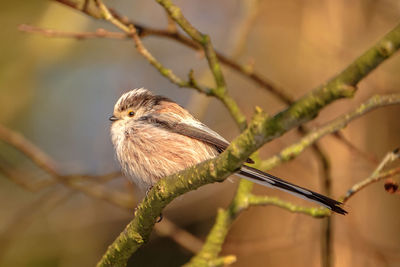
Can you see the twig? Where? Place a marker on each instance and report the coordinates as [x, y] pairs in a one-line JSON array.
[[42, 161], [241, 200], [267, 200], [261, 131], [376, 175], [96, 190], [24, 217], [131, 30], [145, 31], [27, 184], [295, 149], [213, 62], [280, 93], [30, 150], [343, 85], [171, 26], [220, 91], [99, 33], [92, 186], [251, 11], [220, 261]]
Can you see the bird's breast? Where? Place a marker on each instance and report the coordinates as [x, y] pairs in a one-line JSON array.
[[148, 153]]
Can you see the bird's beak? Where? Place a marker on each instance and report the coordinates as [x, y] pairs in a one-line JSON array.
[[113, 118]]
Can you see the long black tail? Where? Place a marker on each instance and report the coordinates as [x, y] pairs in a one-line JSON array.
[[269, 180]]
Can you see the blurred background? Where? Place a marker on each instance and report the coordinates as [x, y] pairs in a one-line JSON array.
[[59, 93]]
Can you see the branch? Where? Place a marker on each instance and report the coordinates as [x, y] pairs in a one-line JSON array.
[[25, 216], [266, 200], [343, 85], [144, 31], [94, 189], [135, 31], [260, 131], [205, 41], [130, 29], [38, 157], [303, 110], [243, 199], [171, 33], [335, 125], [376, 175], [99, 33]]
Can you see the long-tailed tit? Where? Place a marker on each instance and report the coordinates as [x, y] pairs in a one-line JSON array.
[[154, 137]]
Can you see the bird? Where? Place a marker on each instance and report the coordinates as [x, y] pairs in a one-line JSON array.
[[154, 137]]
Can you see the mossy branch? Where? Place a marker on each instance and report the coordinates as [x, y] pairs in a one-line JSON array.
[[335, 125], [342, 85], [204, 41], [261, 130]]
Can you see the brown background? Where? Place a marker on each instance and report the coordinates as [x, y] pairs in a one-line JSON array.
[[60, 92]]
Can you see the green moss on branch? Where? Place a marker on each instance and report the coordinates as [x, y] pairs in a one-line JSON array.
[[261, 130]]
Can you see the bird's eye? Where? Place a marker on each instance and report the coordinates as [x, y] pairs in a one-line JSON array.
[[131, 114]]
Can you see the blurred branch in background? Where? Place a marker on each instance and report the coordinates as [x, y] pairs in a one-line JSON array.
[[25, 216], [343, 85], [243, 201], [303, 110], [167, 228], [333, 126], [212, 56], [139, 30], [220, 91], [42, 160], [143, 31], [90, 185], [99, 33]]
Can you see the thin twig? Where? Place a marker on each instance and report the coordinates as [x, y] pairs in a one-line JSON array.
[[130, 29], [267, 200], [343, 84], [143, 31], [90, 185], [213, 62], [28, 184], [25, 216], [99, 33], [42, 160], [265, 130], [278, 91], [376, 175], [295, 149]]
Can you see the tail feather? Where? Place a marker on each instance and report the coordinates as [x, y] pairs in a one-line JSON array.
[[269, 180]]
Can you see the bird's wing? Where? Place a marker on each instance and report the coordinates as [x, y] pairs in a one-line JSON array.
[[193, 129], [199, 131]]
